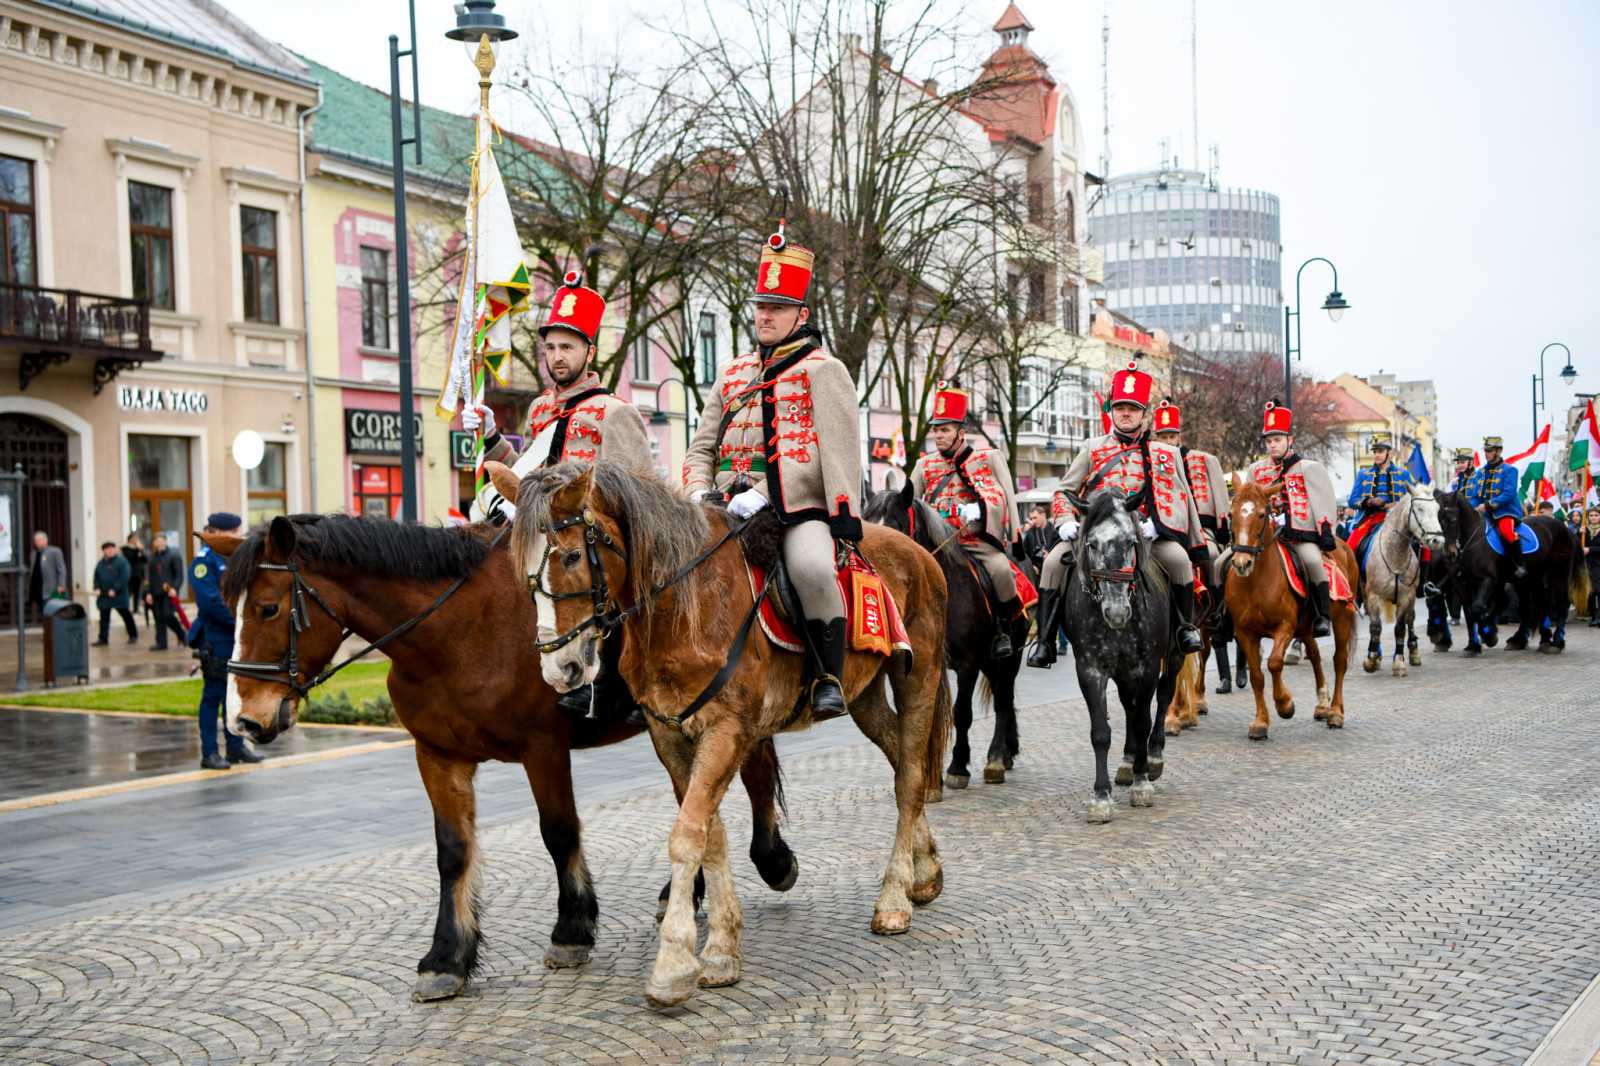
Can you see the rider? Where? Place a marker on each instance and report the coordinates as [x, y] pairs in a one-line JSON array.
[[1493, 491], [1376, 487], [1121, 459], [575, 420], [1209, 487], [780, 429], [1466, 461], [972, 488], [1303, 509]]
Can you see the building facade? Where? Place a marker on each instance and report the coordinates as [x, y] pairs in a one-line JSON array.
[[1202, 262], [150, 302]]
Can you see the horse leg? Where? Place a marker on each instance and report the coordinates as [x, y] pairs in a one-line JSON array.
[[1003, 682], [1135, 697], [719, 961], [1200, 706], [884, 728], [1374, 631], [1250, 650], [1344, 624], [1282, 698], [1413, 656], [1093, 687], [1324, 696], [1178, 709], [958, 775], [997, 761], [549, 770], [453, 958], [1398, 669], [763, 781], [916, 703], [1165, 686]]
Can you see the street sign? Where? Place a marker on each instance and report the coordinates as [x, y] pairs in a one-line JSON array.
[[463, 449]]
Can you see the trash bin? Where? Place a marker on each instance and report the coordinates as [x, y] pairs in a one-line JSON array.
[[66, 641]]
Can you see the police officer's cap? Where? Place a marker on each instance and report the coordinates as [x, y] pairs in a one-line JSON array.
[[224, 521]]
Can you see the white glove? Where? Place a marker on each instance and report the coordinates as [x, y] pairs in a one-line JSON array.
[[746, 503], [1067, 528], [1147, 529], [970, 512], [476, 415], [697, 495], [1279, 520]]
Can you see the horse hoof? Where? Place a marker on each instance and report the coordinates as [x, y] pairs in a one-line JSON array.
[[431, 987], [568, 956], [1173, 726], [1201, 708], [1009, 762], [1549, 649], [1516, 645], [789, 878], [1155, 766], [718, 971], [956, 781], [1143, 794], [1125, 774], [1471, 651], [1414, 657], [1286, 711], [666, 993], [1258, 731], [925, 892], [1320, 714], [890, 923], [994, 774], [1370, 665], [1099, 812], [1399, 669], [1335, 721]]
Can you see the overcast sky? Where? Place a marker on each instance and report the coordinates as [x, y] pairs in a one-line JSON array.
[[1438, 151]]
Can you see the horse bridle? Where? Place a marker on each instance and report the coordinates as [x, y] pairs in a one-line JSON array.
[[286, 671], [606, 615]]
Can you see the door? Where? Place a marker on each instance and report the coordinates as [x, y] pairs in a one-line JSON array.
[[41, 448], [160, 501]]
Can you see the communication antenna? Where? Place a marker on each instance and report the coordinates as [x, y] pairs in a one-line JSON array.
[[1194, 76], [1105, 90], [1216, 167]]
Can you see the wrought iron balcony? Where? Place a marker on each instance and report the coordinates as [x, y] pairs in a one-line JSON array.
[[54, 326]]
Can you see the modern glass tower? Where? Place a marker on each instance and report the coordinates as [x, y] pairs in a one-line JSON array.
[[1202, 262]]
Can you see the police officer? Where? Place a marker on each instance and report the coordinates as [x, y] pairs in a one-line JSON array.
[[211, 637]]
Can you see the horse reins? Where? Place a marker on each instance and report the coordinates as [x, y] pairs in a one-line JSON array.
[[286, 671]]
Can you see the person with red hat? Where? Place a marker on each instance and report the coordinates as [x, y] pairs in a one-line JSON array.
[[1129, 460], [972, 488], [1304, 506], [1209, 487], [576, 420], [780, 429]]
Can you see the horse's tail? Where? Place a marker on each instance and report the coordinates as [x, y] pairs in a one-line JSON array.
[[985, 692], [943, 724]]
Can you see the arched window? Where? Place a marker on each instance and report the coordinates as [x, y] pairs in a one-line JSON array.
[[1070, 222]]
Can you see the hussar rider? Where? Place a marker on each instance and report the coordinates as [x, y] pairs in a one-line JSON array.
[[576, 420], [971, 486], [1494, 491], [1149, 471], [1377, 486], [1303, 508], [1466, 465], [780, 430]]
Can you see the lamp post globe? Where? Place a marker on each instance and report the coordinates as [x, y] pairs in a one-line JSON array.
[[1568, 373], [476, 19], [1336, 305]]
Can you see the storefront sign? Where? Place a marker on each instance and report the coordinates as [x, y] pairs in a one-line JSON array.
[[1135, 338], [369, 432], [463, 449], [881, 449], [179, 401]]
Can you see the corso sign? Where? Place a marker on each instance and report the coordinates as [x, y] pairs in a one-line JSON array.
[[376, 432], [182, 401]]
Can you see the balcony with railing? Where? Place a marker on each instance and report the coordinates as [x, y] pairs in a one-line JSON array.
[[50, 327]]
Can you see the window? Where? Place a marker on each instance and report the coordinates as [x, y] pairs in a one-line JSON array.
[[258, 239], [708, 347], [375, 298], [378, 491], [1070, 220], [16, 221], [150, 229], [1037, 312], [641, 358], [1069, 307], [1036, 202], [267, 486], [159, 498]]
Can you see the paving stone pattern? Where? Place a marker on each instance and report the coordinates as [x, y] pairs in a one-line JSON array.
[[1419, 887]]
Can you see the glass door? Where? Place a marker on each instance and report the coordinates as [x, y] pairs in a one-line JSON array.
[[160, 501]]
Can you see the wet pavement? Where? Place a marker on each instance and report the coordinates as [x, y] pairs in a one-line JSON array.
[[116, 663]]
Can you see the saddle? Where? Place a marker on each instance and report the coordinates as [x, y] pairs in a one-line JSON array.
[[1338, 584], [1525, 537], [1026, 591]]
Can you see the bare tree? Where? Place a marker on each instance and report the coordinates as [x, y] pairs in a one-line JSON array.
[[1222, 397]]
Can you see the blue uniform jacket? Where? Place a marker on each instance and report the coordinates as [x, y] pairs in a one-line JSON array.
[[1388, 485], [1497, 486], [213, 624]]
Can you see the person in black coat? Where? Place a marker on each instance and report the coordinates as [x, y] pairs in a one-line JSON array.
[[1039, 537], [166, 579], [1589, 544], [138, 566], [111, 577]]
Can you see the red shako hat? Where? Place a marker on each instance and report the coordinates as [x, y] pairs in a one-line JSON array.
[[1168, 418], [1131, 385], [1276, 419], [784, 273], [949, 404], [576, 308]]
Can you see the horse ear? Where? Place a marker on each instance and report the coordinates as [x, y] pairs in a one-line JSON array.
[[504, 479], [1274, 488], [907, 495], [224, 544], [281, 538], [1233, 484]]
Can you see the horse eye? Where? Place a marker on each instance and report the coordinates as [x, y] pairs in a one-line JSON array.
[[570, 559], [269, 610]]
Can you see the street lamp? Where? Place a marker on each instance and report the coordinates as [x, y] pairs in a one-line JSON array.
[[658, 417], [1336, 305], [1568, 374]]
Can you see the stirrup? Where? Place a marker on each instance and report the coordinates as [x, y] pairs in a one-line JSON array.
[[1189, 638], [828, 679]]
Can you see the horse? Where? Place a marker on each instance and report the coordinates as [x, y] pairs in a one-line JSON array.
[[1189, 698], [1118, 616], [970, 629], [1394, 571], [619, 552], [1483, 578], [440, 602], [1263, 604]]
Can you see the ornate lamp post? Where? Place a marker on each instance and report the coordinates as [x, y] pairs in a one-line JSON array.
[[1336, 305], [1568, 374]]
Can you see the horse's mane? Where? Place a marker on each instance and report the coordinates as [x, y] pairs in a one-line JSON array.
[[932, 533], [377, 547], [663, 530]]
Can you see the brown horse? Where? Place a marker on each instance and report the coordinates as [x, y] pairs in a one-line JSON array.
[[620, 552], [1264, 605], [449, 608]]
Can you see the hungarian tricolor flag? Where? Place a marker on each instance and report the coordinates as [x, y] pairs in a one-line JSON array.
[[1105, 412], [1585, 452], [1532, 464]]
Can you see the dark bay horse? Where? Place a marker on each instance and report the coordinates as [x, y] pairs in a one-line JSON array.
[[624, 553], [1118, 616], [970, 629], [466, 683], [1481, 578]]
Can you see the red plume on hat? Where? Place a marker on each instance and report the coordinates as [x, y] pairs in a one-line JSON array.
[[575, 307]]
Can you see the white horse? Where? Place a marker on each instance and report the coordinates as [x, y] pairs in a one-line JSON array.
[[1394, 571]]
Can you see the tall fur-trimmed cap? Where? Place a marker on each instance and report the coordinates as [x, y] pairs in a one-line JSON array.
[[1276, 419], [577, 308]]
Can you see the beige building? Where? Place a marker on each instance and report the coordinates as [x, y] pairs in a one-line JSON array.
[[149, 302]]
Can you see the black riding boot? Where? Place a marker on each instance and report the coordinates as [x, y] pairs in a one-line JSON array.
[[1514, 557], [579, 701], [1188, 636], [1224, 675], [1043, 655], [1004, 615], [827, 644], [1322, 609], [1594, 610]]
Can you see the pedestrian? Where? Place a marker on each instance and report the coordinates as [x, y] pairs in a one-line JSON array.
[[211, 637], [138, 565], [1039, 537], [47, 574], [1590, 544], [111, 577], [164, 581]]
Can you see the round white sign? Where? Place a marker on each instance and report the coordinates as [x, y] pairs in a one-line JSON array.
[[248, 449]]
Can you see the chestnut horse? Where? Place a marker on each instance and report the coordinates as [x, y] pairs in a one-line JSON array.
[[625, 553], [1264, 605], [448, 607]]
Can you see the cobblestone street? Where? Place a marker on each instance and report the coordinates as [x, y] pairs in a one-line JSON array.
[[1419, 887]]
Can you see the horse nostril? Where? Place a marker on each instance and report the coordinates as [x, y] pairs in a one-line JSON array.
[[250, 728]]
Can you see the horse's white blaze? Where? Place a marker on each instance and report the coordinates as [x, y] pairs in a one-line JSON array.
[[232, 703]]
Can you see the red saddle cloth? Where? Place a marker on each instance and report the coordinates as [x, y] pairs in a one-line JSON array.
[[1025, 588], [872, 619], [1338, 584], [1367, 525]]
